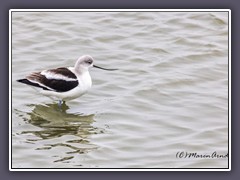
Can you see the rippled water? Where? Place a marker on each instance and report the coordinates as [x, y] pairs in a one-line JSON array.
[[169, 97]]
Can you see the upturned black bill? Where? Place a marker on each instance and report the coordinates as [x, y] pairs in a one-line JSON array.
[[104, 68]]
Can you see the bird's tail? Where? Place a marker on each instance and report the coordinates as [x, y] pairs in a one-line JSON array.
[[26, 81]]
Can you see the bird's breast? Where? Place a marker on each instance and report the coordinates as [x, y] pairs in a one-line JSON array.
[[85, 81]]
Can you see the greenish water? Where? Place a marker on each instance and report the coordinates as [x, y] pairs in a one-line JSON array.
[[170, 94]]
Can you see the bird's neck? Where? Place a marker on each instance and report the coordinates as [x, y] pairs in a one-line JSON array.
[[80, 70]]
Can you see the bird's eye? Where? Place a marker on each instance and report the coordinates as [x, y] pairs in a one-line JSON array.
[[89, 62]]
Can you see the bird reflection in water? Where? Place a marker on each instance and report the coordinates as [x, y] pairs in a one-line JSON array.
[[59, 125]]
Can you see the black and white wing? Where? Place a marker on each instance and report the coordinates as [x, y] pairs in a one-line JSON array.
[[59, 80]]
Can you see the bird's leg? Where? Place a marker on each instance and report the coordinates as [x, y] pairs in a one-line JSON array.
[[60, 104]]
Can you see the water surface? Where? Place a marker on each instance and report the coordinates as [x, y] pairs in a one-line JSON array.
[[169, 96]]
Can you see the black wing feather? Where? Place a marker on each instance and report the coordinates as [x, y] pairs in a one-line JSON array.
[[64, 71], [53, 84], [60, 85]]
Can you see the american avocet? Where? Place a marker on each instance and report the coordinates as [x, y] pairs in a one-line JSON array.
[[64, 83]]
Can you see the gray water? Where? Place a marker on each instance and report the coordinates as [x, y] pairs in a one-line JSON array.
[[168, 98]]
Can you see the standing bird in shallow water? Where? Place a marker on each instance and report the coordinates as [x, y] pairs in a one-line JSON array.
[[64, 83]]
